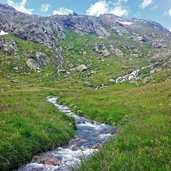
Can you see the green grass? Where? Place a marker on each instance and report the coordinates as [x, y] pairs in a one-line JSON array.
[[29, 125], [143, 116]]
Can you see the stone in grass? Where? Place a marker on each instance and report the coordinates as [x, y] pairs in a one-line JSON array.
[[14, 81], [82, 68], [105, 52], [1, 89], [112, 80], [118, 52], [84, 53], [146, 80], [88, 84]]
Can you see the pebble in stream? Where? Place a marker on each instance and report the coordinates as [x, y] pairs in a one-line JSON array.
[[90, 135]]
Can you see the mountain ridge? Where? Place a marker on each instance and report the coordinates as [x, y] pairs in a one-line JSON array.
[[106, 35]]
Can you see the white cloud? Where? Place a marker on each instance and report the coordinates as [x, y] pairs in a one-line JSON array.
[[170, 12], [98, 8], [20, 6], [62, 11], [119, 11], [45, 7], [103, 7], [145, 3]]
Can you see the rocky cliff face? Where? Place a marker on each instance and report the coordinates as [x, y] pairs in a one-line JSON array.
[[51, 30], [45, 29]]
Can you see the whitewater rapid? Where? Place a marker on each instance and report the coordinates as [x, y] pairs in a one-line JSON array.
[[89, 137]]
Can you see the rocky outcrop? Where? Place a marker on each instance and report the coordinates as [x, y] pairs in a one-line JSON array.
[[106, 49], [38, 61], [32, 63], [9, 47], [101, 32], [51, 31], [42, 59], [44, 29]]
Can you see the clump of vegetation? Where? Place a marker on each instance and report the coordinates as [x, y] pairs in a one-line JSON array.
[[29, 125]]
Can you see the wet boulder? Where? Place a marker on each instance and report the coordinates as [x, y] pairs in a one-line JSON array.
[[48, 160]]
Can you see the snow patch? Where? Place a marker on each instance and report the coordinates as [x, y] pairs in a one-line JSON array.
[[126, 23], [2, 33]]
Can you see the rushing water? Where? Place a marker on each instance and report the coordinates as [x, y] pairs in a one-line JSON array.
[[89, 136]]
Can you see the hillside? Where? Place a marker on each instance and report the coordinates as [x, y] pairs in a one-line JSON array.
[[107, 68]]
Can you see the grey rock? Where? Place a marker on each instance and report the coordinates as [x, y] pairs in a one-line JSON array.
[[141, 38], [14, 81], [32, 63], [146, 80], [1, 89], [62, 71], [88, 84], [105, 52], [82, 68], [16, 68], [61, 35], [112, 80], [84, 53], [42, 59], [118, 53], [96, 49], [9, 47], [101, 32]]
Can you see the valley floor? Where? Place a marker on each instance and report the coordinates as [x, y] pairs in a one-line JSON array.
[[143, 115], [30, 125]]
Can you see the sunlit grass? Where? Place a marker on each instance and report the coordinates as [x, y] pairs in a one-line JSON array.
[[143, 117], [29, 125]]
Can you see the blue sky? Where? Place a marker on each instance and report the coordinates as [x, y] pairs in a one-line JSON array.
[[157, 10]]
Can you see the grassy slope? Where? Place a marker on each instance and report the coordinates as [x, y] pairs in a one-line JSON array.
[[29, 125], [106, 68], [113, 105], [143, 113]]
